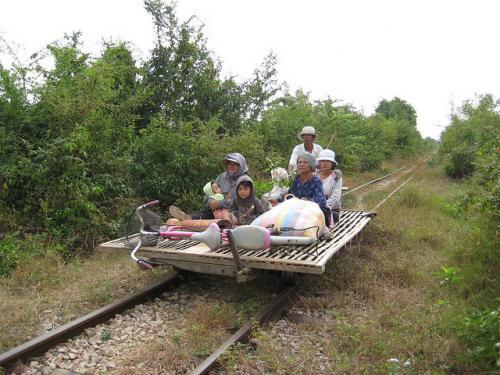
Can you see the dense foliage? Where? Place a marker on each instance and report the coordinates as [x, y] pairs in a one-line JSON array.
[[406, 121], [84, 139], [470, 149]]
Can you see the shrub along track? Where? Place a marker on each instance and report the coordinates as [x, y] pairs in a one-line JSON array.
[[101, 348]]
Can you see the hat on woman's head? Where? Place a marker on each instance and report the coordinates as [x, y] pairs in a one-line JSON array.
[[328, 155], [231, 157], [307, 130], [236, 157], [310, 158]]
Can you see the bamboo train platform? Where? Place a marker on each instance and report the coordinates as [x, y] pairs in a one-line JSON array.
[[197, 257]]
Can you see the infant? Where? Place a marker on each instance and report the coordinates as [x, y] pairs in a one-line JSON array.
[[214, 191]]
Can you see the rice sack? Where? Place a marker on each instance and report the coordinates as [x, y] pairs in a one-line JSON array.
[[294, 213]]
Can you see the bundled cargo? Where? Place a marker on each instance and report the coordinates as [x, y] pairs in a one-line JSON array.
[[295, 216]]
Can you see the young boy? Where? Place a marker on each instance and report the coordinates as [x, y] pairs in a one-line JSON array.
[[245, 207]]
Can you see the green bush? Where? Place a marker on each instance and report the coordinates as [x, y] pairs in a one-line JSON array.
[[460, 163], [173, 164], [99, 132], [480, 333], [262, 187], [9, 253]]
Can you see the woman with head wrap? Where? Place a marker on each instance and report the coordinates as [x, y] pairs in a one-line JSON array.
[[236, 166], [308, 186]]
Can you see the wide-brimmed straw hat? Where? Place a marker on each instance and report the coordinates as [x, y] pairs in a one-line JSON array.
[[328, 155], [307, 130]]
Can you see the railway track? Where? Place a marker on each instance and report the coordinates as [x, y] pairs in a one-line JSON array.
[[383, 182], [41, 344], [277, 305], [87, 330]]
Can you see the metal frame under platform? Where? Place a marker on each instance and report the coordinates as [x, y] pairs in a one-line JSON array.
[[197, 257]]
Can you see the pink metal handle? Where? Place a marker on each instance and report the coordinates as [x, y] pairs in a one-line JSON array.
[[173, 233]]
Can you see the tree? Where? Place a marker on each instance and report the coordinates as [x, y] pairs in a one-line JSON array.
[[261, 88], [398, 109], [181, 78], [408, 138]]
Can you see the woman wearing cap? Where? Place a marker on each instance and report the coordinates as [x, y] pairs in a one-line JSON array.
[[307, 135], [308, 186], [236, 166], [332, 181]]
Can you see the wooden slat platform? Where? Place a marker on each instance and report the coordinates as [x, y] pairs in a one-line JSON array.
[[197, 256]]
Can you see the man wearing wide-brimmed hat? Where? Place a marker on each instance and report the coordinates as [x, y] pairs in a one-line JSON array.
[[307, 135]]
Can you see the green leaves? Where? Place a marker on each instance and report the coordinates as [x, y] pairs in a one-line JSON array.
[[480, 332], [469, 147], [448, 276]]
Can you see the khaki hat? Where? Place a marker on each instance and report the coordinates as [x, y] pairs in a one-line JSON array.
[[307, 130]]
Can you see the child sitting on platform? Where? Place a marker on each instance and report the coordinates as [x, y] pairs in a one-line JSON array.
[[245, 207]]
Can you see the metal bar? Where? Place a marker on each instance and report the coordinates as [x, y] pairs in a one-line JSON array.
[[234, 250], [48, 340], [276, 306]]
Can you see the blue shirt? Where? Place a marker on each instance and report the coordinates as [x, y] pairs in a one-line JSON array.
[[312, 190]]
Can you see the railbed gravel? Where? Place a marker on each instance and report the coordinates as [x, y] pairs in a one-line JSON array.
[[301, 327], [99, 349]]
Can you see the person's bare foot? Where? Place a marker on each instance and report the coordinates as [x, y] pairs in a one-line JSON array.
[[178, 213]]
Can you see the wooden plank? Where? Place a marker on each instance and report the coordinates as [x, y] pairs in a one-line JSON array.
[[305, 259], [297, 253], [336, 233], [343, 242], [229, 262], [207, 268], [209, 255], [113, 250], [282, 252]]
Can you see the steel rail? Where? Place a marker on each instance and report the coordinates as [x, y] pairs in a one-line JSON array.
[[280, 303], [41, 344], [373, 181], [392, 193]]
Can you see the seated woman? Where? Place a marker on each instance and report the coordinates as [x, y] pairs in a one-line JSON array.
[[236, 166], [308, 186], [332, 181]]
